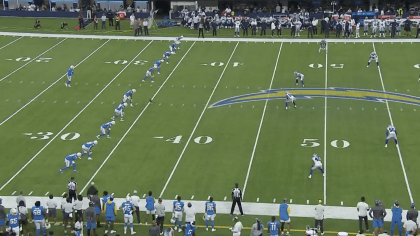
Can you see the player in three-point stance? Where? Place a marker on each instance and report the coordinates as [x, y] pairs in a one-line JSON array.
[[70, 73], [129, 96], [119, 111], [149, 72], [106, 128], [87, 148], [166, 56], [178, 41], [322, 45], [157, 65], [317, 164], [69, 160], [172, 48], [373, 57], [391, 132], [290, 98], [299, 76]]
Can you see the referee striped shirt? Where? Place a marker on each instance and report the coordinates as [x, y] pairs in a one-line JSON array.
[[72, 185], [237, 193]]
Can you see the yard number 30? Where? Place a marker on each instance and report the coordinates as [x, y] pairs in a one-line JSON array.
[[312, 142]]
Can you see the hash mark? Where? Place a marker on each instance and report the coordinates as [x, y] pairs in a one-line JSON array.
[[241, 106], [208, 198], [67, 101], [63, 193], [43, 82], [172, 86], [192, 197], [176, 196], [252, 106], [341, 202], [144, 195], [113, 103], [21, 82], [10, 81], [401, 109], [86, 83], [78, 102], [160, 104], [183, 85], [274, 200], [55, 101], [97, 84], [171, 104], [47, 193], [118, 85], [237, 87], [182, 104], [7, 100], [14, 193], [363, 109], [224, 199], [291, 200], [375, 108], [30, 193], [19, 100], [204, 86], [350, 108], [258, 199], [102, 102], [307, 201], [43, 101], [414, 109]]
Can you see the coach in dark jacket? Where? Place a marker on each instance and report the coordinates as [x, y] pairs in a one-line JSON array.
[[214, 26], [110, 16]]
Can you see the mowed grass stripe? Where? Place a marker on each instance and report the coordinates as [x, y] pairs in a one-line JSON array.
[[172, 114], [16, 92], [74, 118], [33, 59], [20, 52], [6, 40], [224, 161], [364, 166], [280, 156]]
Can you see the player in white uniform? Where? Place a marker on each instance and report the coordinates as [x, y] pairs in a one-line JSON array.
[[357, 30], [290, 98], [299, 76], [317, 164], [391, 132], [373, 57], [374, 28], [119, 111], [178, 41], [382, 28], [322, 45], [237, 28]]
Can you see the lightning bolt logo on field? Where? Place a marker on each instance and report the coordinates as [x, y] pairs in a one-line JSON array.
[[309, 93]]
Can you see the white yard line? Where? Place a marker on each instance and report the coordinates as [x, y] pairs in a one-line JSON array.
[[325, 125], [11, 42], [261, 122], [196, 124], [33, 99], [135, 121], [392, 123], [71, 121], [33, 59]]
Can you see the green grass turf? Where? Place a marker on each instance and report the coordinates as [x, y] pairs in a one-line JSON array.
[[280, 164], [52, 25]]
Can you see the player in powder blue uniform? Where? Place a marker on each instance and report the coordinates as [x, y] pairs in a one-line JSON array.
[[13, 219], [129, 96], [210, 213], [157, 65], [37, 213], [166, 56], [128, 209], [70, 73], [178, 208], [87, 148], [119, 111], [69, 160], [149, 72], [105, 128], [172, 48]]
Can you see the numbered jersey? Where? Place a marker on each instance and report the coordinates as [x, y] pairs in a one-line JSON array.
[[274, 227], [374, 24], [316, 160], [13, 220], [178, 206], [120, 107], [151, 69], [129, 93], [290, 97], [71, 157], [299, 75], [373, 56], [127, 207], [107, 125], [391, 129], [167, 54], [237, 24], [70, 72], [89, 145], [38, 213], [210, 208]]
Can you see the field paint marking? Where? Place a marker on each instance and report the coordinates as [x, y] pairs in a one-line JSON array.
[[144, 195], [176, 196], [274, 200], [13, 192], [258, 199], [138, 117], [208, 198], [392, 123], [32, 60], [198, 122], [30, 193], [43, 91], [192, 197], [63, 193], [71, 121], [224, 199], [47, 193], [11, 42], [325, 125], [261, 122]]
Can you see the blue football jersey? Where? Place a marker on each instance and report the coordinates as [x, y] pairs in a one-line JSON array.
[[127, 207], [168, 53], [172, 44], [89, 144], [178, 206], [107, 125], [38, 213], [120, 107], [70, 72], [129, 93], [157, 63], [106, 198], [150, 203], [274, 227], [189, 230], [71, 157], [210, 208], [151, 69], [13, 220]]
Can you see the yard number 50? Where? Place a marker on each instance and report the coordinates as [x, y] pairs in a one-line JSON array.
[[312, 142]]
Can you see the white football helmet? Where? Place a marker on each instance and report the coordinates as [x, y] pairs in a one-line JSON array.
[[79, 154], [182, 36], [47, 225], [113, 122], [155, 66], [162, 60], [128, 198], [134, 90], [72, 67], [295, 73], [125, 104], [13, 211], [95, 142]]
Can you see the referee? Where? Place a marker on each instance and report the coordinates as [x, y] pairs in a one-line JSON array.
[[236, 199], [201, 27], [72, 187]]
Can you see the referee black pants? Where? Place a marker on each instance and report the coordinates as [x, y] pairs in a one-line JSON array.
[[234, 202], [138, 215], [200, 32], [361, 218], [320, 223], [72, 195], [159, 221]]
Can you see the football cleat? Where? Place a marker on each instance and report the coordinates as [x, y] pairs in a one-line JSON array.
[[310, 176], [213, 229]]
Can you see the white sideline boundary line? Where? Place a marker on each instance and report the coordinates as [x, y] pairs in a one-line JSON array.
[[392, 123], [261, 122], [135, 121], [198, 122], [33, 59], [262, 40], [11, 42], [77, 115], [325, 125], [33, 99]]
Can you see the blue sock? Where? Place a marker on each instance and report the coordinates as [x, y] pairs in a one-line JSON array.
[[286, 104], [322, 171], [294, 103], [43, 231], [180, 224], [131, 225], [125, 225], [396, 141], [64, 168], [159, 69], [207, 223], [386, 141], [311, 172], [90, 154], [151, 78], [37, 232], [302, 83], [212, 224], [83, 153], [115, 116], [145, 77], [101, 135], [175, 223], [368, 63], [74, 166], [109, 131]]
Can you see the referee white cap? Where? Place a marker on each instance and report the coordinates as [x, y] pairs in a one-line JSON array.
[[92, 183], [135, 191]]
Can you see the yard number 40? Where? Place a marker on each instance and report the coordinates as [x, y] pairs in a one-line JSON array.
[[313, 142]]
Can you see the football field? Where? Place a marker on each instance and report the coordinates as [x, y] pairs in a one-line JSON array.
[[217, 117]]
